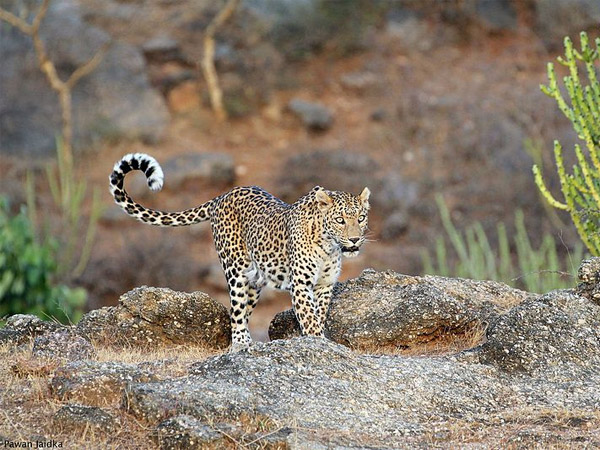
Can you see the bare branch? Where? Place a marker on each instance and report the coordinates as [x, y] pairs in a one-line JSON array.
[[208, 61], [88, 67], [15, 21], [37, 20], [222, 17]]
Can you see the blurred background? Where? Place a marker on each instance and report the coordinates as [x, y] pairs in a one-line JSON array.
[[433, 104]]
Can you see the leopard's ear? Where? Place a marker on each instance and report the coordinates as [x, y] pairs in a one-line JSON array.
[[323, 199], [364, 197]]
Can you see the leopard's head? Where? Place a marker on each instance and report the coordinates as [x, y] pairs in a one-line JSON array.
[[345, 218]]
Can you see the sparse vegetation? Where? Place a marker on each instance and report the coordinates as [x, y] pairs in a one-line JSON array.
[[68, 193], [581, 188], [537, 270]]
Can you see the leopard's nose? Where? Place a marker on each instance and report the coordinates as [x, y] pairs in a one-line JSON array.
[[354, 240]]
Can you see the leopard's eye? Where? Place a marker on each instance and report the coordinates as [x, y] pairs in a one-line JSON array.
[[340, 220], [361, 218]]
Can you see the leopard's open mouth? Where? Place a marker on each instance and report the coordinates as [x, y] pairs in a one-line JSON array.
[[349, 252]]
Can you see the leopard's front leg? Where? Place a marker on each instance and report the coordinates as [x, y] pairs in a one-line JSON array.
[[304, 308], [322, 299]]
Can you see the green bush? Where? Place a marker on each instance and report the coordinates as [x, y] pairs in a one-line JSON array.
[[535, 270], [27, 271], [580, 188]]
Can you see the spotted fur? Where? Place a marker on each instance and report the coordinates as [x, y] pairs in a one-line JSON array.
[[263, 241]]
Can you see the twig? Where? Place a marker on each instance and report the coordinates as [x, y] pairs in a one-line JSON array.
[[208, 60]]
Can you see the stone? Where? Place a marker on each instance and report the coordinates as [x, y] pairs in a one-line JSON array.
[[394, 225], [555, 336], [21, 328], [210, 168], [496, 15], [116, 100], [556, 19], [95, 383], [359, 81], [161, 48], [409, 30], [186, 432], [314, 116], [76, 418], [388, 310], [331, 169], [151, 317], [589, 277], [63, 344], [191, 170]]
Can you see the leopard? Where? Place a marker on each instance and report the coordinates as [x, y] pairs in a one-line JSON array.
[[263, 241]]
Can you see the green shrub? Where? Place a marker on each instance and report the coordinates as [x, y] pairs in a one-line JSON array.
[[581, 188], [27, 271], [536, 270]]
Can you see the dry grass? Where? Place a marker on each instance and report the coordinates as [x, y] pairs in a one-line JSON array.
[[446, 343], [525, 427], [27, 407]]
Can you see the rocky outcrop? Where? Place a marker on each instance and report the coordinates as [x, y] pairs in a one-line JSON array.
[[151, 317], [535, 371], [388, 310], [338, 397], [556, 336]]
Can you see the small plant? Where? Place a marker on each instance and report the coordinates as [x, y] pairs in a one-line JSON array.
[[28, 271], [537, 270], [68, 193], [581, 188]]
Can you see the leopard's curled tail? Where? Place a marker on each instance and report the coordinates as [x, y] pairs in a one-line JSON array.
[[154, 177]]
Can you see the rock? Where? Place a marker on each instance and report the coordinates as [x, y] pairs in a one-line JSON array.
[[314, 116], [200, 167], [394, 193], [556, 19], [319, 385], [63, 344], [330, 169], [194, 170], [116, 100], [496, 15], [300, 28], [96, 383], [409, 30], [21, 328], [394, 225], [162, 48], [186, 432], [379, 115], [152, 317], [387, 310], [359, 81], [589, 276], [555, 336], [77, 418]]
